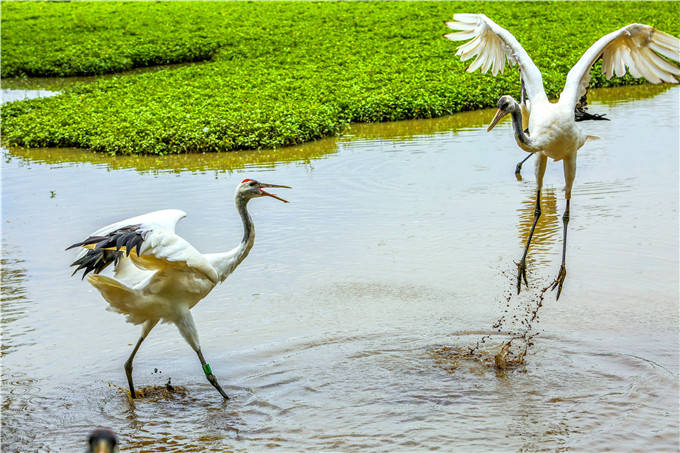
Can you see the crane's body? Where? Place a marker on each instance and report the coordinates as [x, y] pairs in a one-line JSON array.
[[159, 276], [553, 131], [141, 289], [556, 134], [580, 114]]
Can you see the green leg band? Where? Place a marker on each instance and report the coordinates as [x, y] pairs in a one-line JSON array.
[[206, 369]]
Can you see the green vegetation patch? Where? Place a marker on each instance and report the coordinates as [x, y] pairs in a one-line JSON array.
[[91, 38], [283, 72]]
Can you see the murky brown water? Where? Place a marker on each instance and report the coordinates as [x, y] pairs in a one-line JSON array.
[[397, 247]]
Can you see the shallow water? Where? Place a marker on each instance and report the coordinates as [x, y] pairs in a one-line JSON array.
[[399, 240]]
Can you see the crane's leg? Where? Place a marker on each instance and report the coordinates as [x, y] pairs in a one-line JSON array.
[[208, 374], [187, 328], [569, 176], [541, 162], [128, 363], [522, 265], [562, 274]]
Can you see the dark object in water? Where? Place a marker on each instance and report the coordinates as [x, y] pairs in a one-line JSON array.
[[102, 441]]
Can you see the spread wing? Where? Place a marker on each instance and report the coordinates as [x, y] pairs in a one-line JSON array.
[[165, 219], [493, 46], [149, 241], [636, 47]]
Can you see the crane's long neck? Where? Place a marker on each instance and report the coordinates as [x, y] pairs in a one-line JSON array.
[[225, 263], [248, 231], [523, 140]]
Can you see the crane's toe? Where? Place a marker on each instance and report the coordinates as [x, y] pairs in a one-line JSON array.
[[559, 281], [521, 274]]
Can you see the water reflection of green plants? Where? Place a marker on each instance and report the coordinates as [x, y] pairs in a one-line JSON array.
[[281, 73], [615, 95], [220, 162]]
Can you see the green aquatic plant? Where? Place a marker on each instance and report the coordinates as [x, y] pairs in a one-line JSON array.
[[279, 73]]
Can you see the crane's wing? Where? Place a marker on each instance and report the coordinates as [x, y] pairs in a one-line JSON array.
[[637, 47], [151, 244], [165, 219], [493, 45]]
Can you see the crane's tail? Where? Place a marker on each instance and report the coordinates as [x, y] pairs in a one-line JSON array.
[[120, 297]]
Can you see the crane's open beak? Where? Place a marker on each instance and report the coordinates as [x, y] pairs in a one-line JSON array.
[[271, 194], [499, 114]]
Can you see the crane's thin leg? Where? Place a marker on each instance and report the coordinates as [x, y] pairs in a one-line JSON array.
[[187, 328], [522, 265], [518, 168], [562, 274], [569, 176], [128, 363], [208, 374], [541, 164]]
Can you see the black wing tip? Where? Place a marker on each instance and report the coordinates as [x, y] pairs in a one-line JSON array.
[[95, 261], [107, 249]]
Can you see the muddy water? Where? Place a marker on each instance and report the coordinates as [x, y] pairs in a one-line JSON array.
[[398, 243]]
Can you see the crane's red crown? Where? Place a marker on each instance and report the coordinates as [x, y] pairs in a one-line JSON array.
[[246, 180]]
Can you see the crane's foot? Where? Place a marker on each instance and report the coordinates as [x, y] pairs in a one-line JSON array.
[[521, 274], [559, 281], [213, 380], [518, 168], [518, 171]]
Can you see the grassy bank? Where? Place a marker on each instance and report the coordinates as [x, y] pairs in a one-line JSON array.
[[279, 73]]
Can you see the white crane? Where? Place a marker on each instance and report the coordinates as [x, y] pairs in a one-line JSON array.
[[554, 132], [158, 275]]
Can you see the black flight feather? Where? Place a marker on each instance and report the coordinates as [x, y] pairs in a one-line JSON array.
[[101, 256]]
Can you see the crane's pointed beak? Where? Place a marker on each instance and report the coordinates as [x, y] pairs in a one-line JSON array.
[[271, 194], [499, 114]]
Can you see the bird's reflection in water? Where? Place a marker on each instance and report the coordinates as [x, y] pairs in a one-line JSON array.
[[547, 228]]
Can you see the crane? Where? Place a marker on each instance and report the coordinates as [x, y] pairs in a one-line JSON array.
[[159, 276], [554, 133], [102, 441]]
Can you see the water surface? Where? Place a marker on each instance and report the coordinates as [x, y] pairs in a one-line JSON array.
[[399, 239]]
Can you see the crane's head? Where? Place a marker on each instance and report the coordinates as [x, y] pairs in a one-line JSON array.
[[506, 104], [102, 441], [249, 188]]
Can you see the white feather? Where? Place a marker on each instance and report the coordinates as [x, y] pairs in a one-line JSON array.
[[631, 47], [493, 45]]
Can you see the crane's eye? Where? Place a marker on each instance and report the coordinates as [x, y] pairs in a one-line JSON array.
[[252, 184]]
